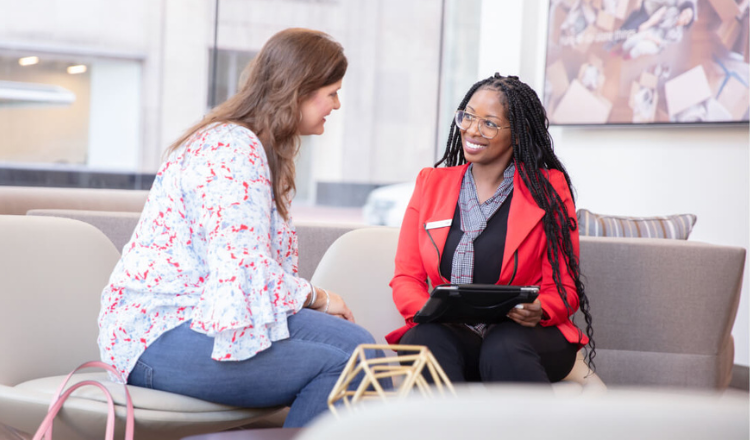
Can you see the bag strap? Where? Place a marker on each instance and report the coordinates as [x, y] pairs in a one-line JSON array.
[[45, 429], [60, 398]]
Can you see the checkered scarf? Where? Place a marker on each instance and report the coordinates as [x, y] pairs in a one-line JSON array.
[[474, 218]]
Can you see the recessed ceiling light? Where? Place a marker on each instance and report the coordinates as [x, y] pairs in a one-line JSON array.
[[80, 68], [28, 61]]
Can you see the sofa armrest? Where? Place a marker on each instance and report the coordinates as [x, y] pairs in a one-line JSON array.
[[661, 305]]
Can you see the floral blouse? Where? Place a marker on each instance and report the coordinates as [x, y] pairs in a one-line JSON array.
[[209, 247]]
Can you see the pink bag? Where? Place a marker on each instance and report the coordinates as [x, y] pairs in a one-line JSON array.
[[45, 429]]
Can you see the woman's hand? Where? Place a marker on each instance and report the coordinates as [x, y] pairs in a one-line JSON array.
[[529, 315], [336, 304]]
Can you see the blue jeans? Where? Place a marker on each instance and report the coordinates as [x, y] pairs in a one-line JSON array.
[[299, 371]]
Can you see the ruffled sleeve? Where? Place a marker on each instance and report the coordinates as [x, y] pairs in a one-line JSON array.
[[251, 286]]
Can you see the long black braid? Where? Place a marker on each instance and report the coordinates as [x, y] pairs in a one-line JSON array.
[[532, 153]]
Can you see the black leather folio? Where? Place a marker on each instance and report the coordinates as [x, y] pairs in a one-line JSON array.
[[473, 303]]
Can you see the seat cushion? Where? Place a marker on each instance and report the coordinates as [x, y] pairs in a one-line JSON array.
[[24, 406], [143, 398]]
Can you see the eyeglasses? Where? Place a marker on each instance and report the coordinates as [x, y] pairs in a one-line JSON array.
[[487, 128]]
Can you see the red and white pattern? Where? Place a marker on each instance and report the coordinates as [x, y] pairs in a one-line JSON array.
[[210, 247]]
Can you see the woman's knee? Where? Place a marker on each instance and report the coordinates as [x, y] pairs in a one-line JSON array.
[[310, 325], [444, 342], [348, 336], [508, 354], [423, 334], [356, 334], [504, 342]]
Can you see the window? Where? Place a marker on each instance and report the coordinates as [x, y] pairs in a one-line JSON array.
[[225, 77], [153, 70]]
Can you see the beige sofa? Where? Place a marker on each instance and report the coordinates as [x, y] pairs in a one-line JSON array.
[[663, 309], [663, 312], [52, 271]]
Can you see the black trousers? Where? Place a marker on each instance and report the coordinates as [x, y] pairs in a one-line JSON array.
[[509, 352]]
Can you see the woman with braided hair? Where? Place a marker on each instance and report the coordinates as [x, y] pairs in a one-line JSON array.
[[500, 211]]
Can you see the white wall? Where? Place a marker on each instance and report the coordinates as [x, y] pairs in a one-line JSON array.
[[500, 37], [640, 171]]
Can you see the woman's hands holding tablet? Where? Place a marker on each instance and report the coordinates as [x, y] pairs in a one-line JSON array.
[[528, 315]]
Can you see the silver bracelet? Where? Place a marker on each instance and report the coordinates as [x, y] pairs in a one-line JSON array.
[[328, 299], [313, 296]]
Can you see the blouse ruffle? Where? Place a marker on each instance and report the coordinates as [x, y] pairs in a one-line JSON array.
[[210, 247]]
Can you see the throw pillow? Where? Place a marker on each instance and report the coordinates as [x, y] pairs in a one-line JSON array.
[[672, 226]]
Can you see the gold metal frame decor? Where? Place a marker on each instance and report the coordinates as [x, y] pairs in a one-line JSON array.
[[405, 369]]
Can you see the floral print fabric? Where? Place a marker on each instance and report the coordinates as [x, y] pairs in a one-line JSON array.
[[210, 247]]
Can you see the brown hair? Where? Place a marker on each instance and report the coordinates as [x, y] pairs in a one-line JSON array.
[[290, 68]]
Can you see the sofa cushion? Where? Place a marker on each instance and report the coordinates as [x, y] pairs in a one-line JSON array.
[[672, 226], [143, 398], [117, 226]]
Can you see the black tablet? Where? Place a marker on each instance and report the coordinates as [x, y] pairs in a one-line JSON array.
[[473, 303]]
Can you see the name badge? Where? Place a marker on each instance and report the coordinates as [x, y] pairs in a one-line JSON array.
[[439, 224]]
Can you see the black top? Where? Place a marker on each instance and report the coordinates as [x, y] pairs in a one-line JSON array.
[[489, 246]]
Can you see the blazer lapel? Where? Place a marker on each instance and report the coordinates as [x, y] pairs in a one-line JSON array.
[[523, 217], [444, 197]]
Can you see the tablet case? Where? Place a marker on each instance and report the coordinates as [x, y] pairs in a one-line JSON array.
[[473, 303]]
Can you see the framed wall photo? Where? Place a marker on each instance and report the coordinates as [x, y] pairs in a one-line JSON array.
[[647, 62]]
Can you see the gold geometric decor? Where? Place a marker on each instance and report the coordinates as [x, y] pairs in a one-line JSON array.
[[405, 370]]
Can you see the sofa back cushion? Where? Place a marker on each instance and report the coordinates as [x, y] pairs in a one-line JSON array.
[[52, 272], [359, 267], [117, 226], [313, 238], [672, 226]]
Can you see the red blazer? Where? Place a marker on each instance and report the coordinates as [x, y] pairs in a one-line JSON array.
[[434, 199]]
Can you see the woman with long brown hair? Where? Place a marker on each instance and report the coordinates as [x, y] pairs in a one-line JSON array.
[[206, 301]]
